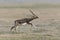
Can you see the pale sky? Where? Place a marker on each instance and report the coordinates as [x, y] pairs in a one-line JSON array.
[[30, 1]]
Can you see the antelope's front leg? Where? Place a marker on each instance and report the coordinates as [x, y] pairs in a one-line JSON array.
[[30, 24]]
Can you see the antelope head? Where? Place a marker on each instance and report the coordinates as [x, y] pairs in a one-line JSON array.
[[34, 16]]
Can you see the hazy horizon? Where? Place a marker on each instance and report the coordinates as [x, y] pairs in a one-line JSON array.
[[29, 1]]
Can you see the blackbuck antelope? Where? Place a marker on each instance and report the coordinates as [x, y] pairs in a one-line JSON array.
[[24, 21]]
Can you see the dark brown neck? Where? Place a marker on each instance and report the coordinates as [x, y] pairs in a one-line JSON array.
[[30, 19]]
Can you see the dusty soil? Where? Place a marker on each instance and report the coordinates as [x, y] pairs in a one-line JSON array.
[[48, 23]]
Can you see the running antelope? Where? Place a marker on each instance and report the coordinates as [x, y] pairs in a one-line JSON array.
[[24, 21]]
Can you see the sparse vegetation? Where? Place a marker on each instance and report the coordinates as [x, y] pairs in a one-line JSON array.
[[47, 27], [27, 37]]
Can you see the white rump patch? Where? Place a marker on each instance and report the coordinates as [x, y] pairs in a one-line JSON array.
[[24, 23]]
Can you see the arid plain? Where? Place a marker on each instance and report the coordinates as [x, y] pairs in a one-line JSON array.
[[46, 27]]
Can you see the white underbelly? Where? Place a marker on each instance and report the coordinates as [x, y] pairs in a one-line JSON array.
[[24, 23]]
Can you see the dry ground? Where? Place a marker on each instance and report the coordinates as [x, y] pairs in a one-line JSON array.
[[46, 27]]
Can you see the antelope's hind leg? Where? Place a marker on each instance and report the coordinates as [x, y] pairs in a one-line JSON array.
[[15, 25], [12, 27]]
